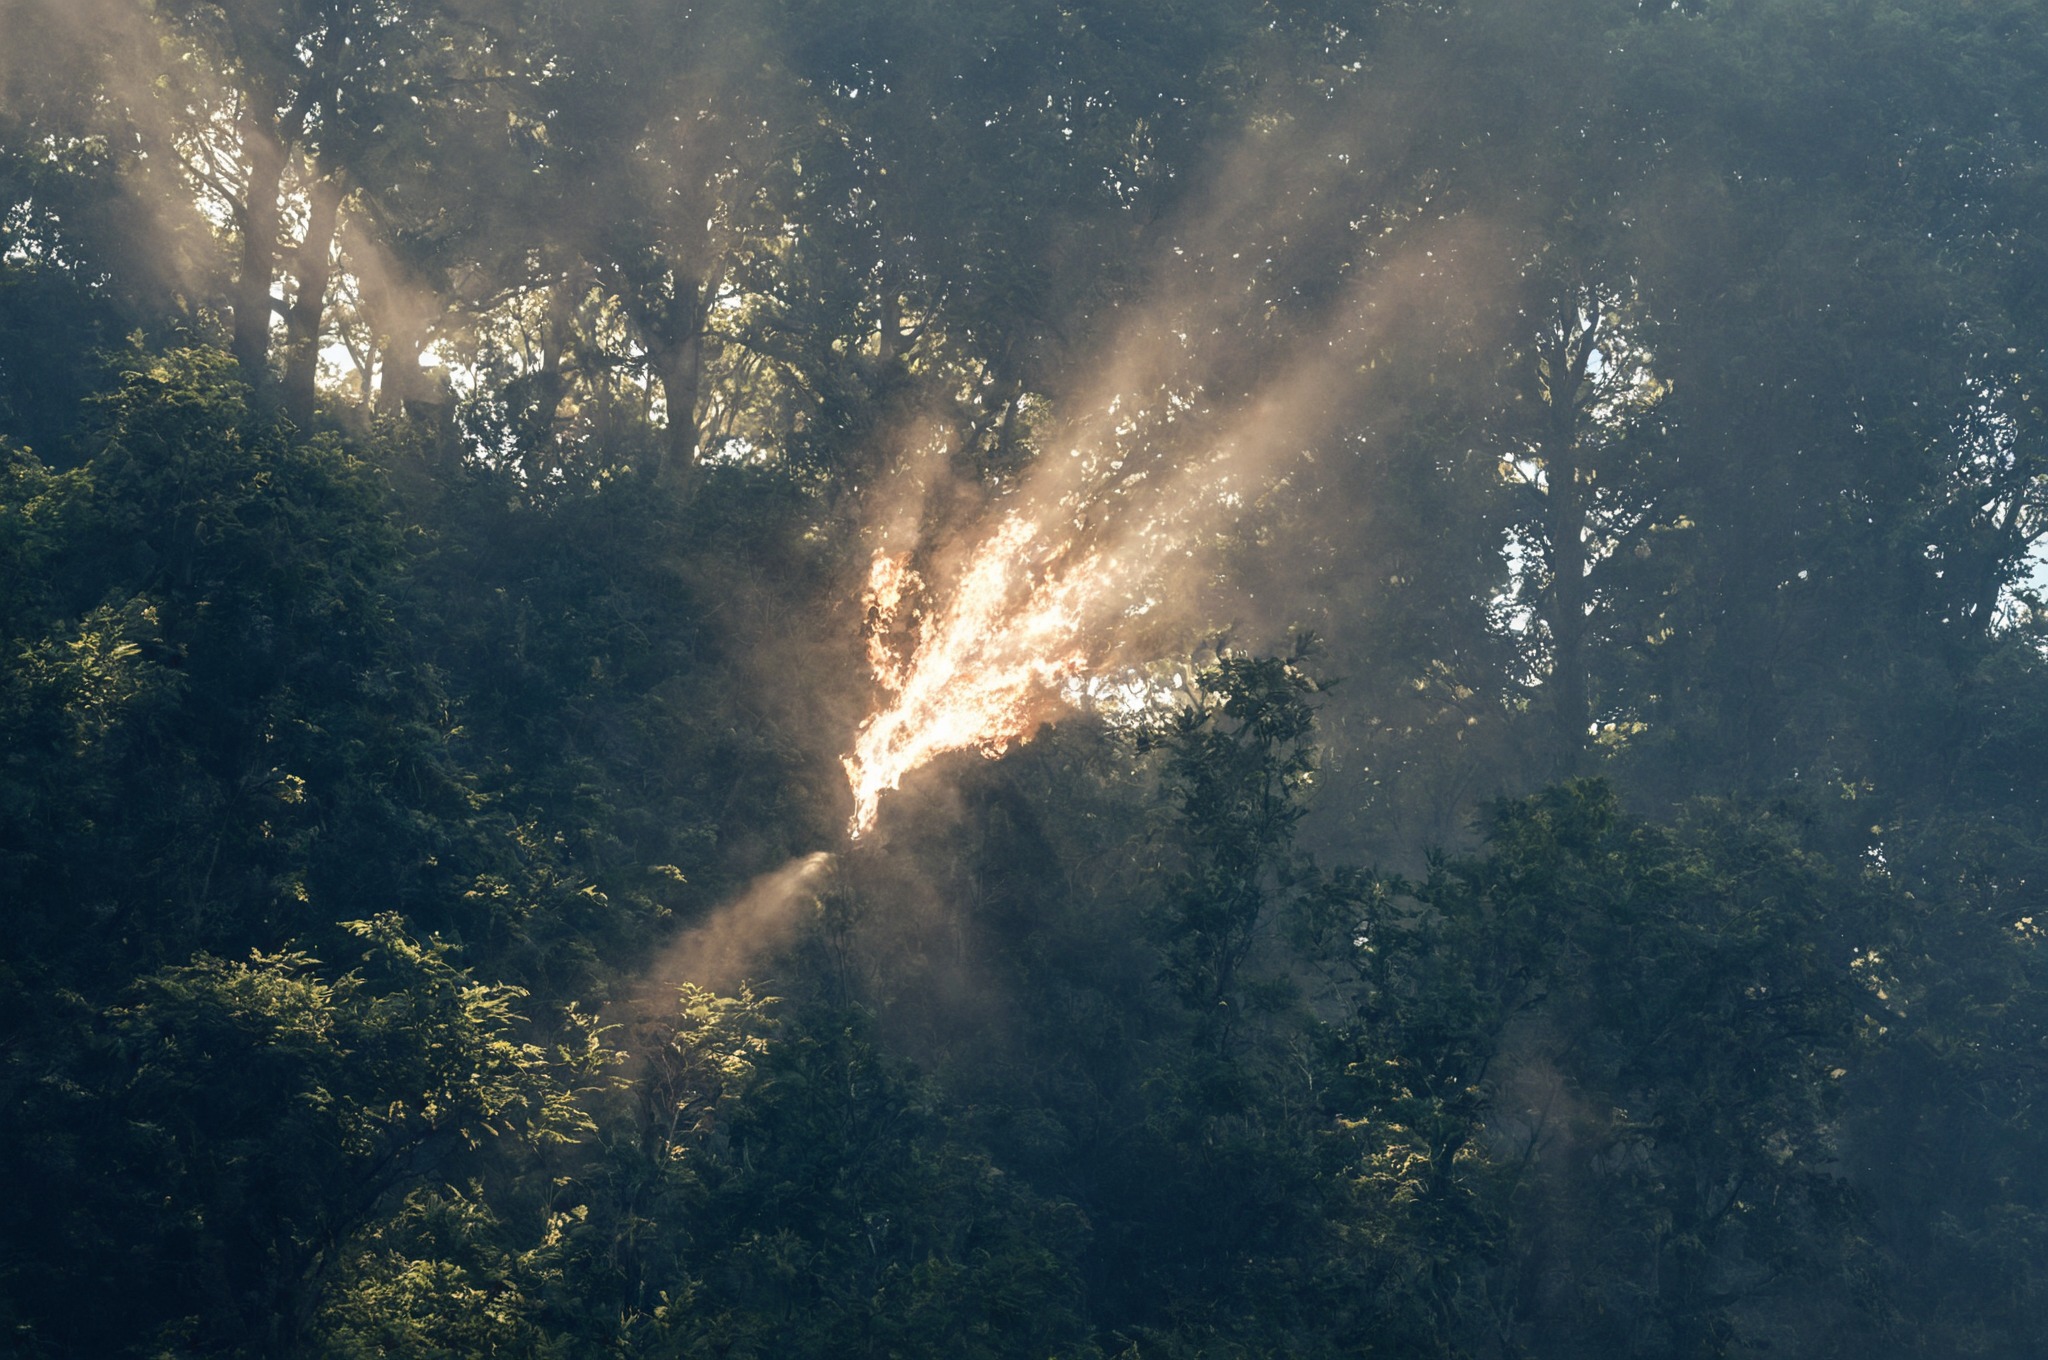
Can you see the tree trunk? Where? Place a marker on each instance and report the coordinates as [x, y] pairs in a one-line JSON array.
[[682, 373], [402, 325], [536, 432], [889, 343], [667, 306], [265, 161], [309, 301], [671, 317], [1565, 526]]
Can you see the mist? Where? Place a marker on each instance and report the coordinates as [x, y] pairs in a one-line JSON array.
[[1105, 680]]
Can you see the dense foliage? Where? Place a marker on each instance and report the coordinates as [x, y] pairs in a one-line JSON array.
[[1564, 875]]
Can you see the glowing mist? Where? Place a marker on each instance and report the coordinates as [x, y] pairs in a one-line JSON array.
[[1115, 530], [980, 674], [728, 944]]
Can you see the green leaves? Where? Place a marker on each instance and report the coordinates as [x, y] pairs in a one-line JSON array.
[[1240, 760], [1610, 1053], [1667, 384], [272, 1128], [446, 1276]]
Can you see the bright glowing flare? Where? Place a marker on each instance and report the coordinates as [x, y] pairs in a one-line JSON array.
[[1028, 621], [983, 672]]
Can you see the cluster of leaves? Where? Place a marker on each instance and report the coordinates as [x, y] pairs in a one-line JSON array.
[[1172, 1089], [366, 728]]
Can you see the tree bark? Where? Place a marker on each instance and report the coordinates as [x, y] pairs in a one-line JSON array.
[[889, 343], [682, 374], [1565, 526], [401, 316], [550, 384], [264, 159], [315, 269], [669, 309]]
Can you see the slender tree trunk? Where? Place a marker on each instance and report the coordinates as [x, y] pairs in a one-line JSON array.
[[667, 306], [889, 343], [372, 365], [402, 325], [1565, 503], [401, 386], [264, 159], [2007, 545], [315, 270], [673, 323], [550, 384], [1568, 615], [682, 374], [398, 387], [1006, 430]]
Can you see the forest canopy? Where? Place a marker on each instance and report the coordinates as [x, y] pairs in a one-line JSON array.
[[765, 678]]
